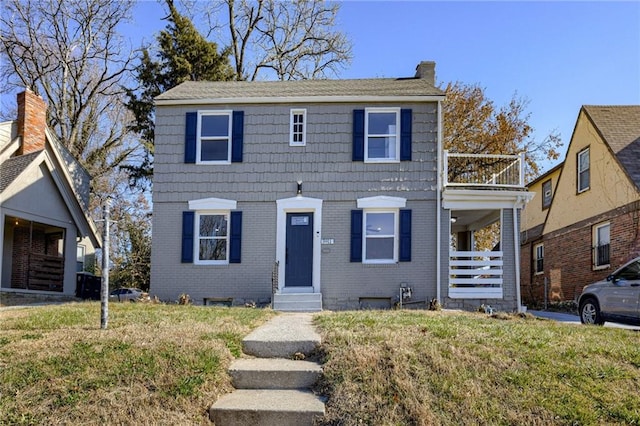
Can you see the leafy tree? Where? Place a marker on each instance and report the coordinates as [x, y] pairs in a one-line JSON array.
[[70, 53], [183, 55], [473, 124], [132, 248]]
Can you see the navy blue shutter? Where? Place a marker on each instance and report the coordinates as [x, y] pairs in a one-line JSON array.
[[190, 136], [405, 135], [405, 236], [358, 135], [187, 236], [237, 136], [356, 235], [235, 238]]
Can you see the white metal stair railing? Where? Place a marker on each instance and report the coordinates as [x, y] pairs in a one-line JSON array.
[[475, 274]]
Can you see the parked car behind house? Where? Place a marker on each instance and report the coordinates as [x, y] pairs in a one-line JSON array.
[[124, 294], [617, 299]]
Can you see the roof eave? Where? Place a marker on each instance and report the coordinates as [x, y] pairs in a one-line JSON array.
[[299, 99]]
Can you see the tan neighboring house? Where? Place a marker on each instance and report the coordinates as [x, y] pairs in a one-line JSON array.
[[584, 221], [46, 233]]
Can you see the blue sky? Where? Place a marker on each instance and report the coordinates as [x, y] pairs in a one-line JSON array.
[[558, 55]]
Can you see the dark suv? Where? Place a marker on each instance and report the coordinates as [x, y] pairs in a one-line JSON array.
[[617, 299]]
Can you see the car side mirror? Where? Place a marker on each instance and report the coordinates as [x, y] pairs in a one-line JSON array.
[[611, 278]]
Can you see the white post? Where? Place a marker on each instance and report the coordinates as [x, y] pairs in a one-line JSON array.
[[522, 157], [104, 289], [445, 168]]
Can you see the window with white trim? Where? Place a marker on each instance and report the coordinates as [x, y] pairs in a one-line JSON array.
[[583, 170], [298, 127], [214, 137], [212, 237], [601, 245], [380, 244], [80, 255], [538, 258], [382, 134]]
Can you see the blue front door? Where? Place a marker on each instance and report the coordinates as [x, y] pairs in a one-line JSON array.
[[299, 250]]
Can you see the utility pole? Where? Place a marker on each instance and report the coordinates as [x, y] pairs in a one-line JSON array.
[[104, 289]]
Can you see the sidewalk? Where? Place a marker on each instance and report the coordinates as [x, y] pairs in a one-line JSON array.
[[575, 319]]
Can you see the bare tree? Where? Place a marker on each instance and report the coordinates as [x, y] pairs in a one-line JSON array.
[[70, 53], [286, 40]]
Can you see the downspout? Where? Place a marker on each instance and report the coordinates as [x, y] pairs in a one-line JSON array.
[[516, 245], [438, 205]]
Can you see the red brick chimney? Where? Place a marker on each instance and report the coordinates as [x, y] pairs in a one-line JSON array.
[[32, 122]]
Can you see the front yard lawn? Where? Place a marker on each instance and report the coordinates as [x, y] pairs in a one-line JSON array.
[[451, 368], [156, 364]]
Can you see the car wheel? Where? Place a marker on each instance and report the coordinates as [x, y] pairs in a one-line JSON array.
[[590, 312]]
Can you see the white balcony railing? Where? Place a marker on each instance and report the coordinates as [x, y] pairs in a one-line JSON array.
[[483, 170], [475, 274]]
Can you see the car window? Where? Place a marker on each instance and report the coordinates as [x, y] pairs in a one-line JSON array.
[[630, 272]]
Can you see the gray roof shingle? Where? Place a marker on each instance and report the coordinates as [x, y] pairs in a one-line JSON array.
[[619, 126], [192, 90], [12, 167]]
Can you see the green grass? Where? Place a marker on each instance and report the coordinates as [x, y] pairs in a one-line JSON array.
[[165, 365], [422, 368], [156, 364]]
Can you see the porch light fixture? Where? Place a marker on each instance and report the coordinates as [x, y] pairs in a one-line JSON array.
[[299, 193], [454, 219]]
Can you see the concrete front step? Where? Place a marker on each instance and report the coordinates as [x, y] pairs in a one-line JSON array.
[[282, 337], [266, 407], [274, 373], [297, 302]]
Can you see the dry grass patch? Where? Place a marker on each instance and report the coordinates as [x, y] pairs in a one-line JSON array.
[[156, 364], [445, 368]]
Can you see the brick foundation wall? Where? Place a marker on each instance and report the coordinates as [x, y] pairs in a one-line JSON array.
[[568, 261]]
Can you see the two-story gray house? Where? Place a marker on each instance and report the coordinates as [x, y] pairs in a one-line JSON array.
[[326, 193]]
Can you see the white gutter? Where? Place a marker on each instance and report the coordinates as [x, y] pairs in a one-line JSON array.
[[300, 99], [438, 205]]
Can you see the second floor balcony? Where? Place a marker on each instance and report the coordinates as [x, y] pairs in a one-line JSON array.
[[483, 171]]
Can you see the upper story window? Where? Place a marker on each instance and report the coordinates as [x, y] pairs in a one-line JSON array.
[[547, 194], [382, 134], [583, 170], [538, 258], [298, 127], [214, 137], [601, 245]]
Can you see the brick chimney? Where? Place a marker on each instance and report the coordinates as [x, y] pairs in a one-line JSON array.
[[427, 70], [32, 122]]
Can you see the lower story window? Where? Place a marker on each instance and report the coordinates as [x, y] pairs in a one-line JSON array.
[[212, 238], [380, 236], [539, 258], [602, 244]]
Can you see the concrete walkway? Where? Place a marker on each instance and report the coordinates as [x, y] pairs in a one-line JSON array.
[[274, 387]]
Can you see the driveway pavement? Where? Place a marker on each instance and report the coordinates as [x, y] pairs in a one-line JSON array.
[[575, 319]]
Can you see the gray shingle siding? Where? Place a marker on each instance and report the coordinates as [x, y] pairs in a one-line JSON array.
[[271, 167]]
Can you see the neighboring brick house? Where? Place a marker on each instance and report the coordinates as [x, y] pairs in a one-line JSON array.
[[47, 236], [584, 221], [325, 193]]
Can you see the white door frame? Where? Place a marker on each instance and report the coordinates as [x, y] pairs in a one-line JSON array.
[[298, 205]]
